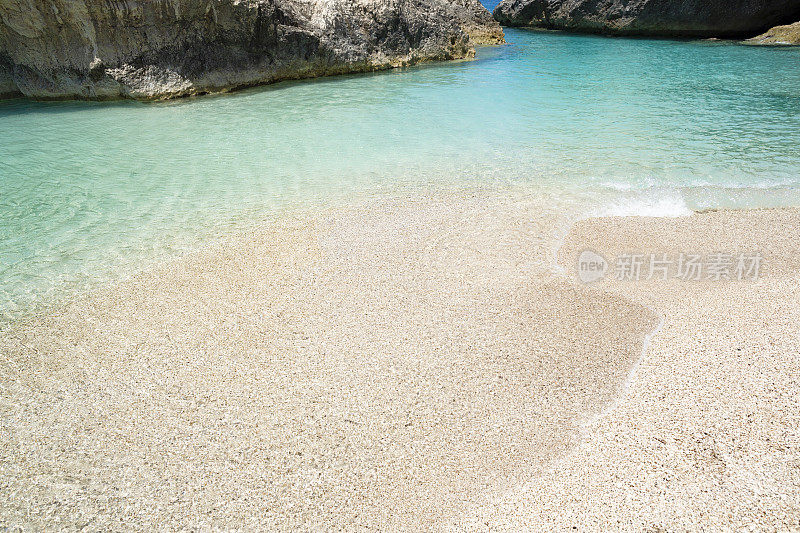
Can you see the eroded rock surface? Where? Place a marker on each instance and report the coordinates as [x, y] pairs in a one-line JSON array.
[[779, 35], [165, 48], [689, 18]]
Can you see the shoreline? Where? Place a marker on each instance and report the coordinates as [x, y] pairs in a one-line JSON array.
[[434, 328], [213, 233], [249, 222]]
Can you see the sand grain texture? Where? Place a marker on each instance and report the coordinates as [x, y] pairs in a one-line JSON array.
[[707, 434], [415, 362], [386, 365]]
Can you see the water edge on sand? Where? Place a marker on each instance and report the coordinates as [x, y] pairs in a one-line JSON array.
[[385, 365]]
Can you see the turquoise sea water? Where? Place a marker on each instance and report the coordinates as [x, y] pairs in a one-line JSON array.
[[89, 191]]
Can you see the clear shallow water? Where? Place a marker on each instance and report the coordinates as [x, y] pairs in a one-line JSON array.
[[90, 191]]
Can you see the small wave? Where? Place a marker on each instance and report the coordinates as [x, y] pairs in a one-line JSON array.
[[702, 198], [683, 201], [653, 204], [650, 183]]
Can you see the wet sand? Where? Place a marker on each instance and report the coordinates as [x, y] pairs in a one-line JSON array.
[[409, 363], [706, 435]]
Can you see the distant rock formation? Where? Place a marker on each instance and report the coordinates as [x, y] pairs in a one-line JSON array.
[[668, 18], [102, 49], [779, 35]]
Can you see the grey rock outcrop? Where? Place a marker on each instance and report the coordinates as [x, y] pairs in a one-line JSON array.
[[668, 18], [788, 35], [146, 49]]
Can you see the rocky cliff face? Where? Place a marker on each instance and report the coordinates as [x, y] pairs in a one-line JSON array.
[[163, 48], [689, 18]]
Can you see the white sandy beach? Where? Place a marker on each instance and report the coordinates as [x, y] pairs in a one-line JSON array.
[[415, 363], [706, 435]]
